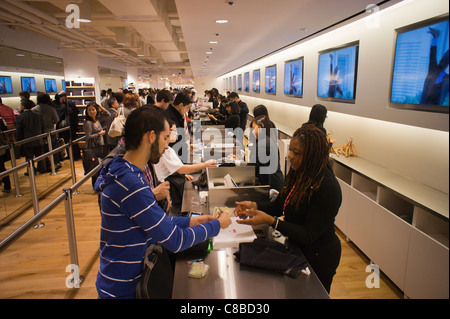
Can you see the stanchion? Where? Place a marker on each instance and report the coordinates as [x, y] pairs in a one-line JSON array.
[[14, 174], [34, 196], [71, 234]]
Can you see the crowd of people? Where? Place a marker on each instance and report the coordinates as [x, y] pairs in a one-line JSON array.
[[143, 168]]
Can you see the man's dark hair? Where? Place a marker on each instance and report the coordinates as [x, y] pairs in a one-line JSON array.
[[27, 104], [119, 97], [233, 95], [111, 101], [164, 95], [182, 98], [25, 94], [140, 121], [43, 98]]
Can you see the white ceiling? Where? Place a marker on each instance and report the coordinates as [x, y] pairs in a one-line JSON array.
[[174, 35]]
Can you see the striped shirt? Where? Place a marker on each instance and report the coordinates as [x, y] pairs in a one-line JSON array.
[[131, 221]]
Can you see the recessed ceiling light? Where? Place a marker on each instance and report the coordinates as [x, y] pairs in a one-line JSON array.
[[213, 42], [20, 54], [222, 21], [209, 52]]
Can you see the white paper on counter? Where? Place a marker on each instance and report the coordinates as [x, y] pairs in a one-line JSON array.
[[233, 235]]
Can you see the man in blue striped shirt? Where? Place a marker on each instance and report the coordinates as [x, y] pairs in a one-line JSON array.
[[131, 217]]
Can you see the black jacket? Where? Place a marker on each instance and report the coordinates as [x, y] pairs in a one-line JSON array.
[[29, 124]]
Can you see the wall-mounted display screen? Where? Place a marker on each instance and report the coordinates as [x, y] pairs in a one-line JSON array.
[[271, 79], [28, 84], [256, 81], [239, 82], [234, 82], [63, 82], [246, 81], [337, 73], [293, 77], [50, 85], [421, 73], [5, 85]]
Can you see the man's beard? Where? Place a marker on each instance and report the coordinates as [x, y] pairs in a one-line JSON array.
[[155, 155]]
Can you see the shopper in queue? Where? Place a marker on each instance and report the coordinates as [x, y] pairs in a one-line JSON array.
[[307, 205], [131, 219]]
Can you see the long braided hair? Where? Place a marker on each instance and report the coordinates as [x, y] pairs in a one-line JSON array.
[[315, 160]]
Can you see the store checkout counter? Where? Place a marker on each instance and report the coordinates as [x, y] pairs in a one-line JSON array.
[[226, 278]]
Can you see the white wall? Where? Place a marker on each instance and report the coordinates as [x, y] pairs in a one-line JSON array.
[[412, 143], [206, 83], [81, 64]]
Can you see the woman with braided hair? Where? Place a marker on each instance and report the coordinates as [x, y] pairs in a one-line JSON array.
[[306, 207]]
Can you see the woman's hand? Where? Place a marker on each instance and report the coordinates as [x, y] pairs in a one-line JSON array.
[[257, 217], [102, 132], [189, 177], [242, 207]]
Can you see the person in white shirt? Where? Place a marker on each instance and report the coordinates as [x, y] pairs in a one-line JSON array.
[[170, 163]]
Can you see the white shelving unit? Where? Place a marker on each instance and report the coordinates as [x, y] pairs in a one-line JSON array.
[[82, 92], [401, 225]]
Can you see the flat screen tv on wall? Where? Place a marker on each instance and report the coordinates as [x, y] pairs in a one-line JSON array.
[[256, 81], [271, 79], [420, 75], [246, 81], [28, 84], [337, 73], [5, 85], [293, 77], [239, 82], [50, 85]]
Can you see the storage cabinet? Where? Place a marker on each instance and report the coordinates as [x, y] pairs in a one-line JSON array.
[[341, 217], [360, 220], [387, 217], [390, 244], [427, 267]]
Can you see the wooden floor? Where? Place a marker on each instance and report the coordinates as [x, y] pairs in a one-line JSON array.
[[34, 266]]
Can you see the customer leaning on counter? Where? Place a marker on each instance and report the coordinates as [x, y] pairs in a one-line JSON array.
[[307, 205]]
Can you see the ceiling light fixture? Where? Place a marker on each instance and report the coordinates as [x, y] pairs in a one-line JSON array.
[[209, 52], [120, 36], [85, 11], [221, 21], [213, 42]]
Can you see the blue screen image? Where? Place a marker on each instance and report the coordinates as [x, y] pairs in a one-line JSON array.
[[246, 82], [421, 72], [271, 80], [28, 84], [337, 74], [50, 85], [293, 78], [256, 81], [5, 85]]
